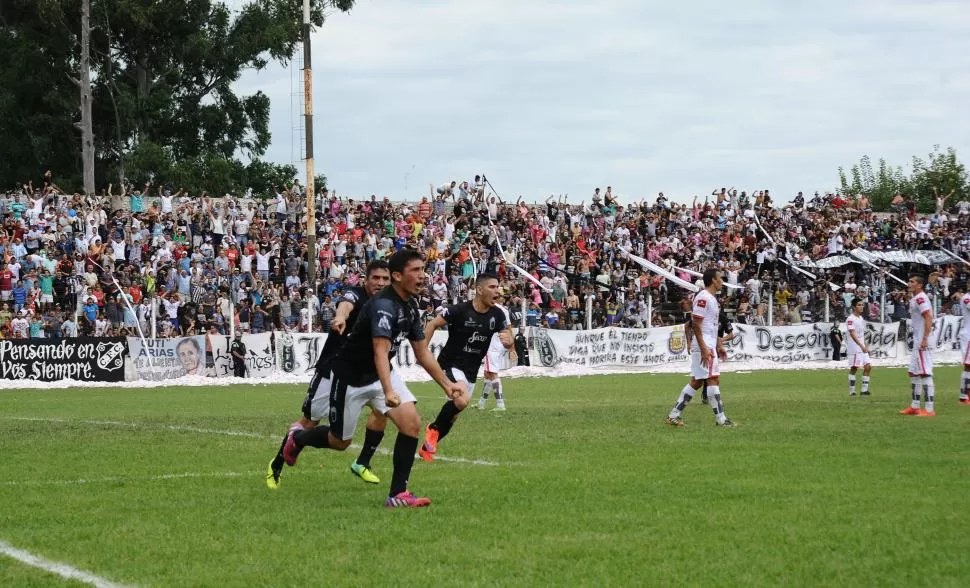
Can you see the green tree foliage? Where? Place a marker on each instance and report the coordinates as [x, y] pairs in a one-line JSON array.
[[941, 171], [165, 105]]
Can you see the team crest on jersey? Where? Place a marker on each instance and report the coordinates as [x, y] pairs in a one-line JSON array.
[[702, 303], [677, 342], [491, 323]]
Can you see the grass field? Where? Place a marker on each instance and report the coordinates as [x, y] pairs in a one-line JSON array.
[[585, 486]]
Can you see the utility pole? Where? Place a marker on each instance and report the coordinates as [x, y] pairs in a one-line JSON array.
[[311, 204], [86, 125]]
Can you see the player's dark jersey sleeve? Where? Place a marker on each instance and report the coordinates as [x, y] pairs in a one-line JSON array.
[[382, 314]]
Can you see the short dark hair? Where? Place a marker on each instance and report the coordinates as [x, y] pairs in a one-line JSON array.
[[376, 264], [920, 279], [709, 276], [402, 258], [855, 301], [482, 278]]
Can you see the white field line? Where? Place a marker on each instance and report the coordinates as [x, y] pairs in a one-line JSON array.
[[224, 432], [61, 569], [111, 479]]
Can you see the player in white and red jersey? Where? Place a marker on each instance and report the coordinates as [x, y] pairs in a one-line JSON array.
[[964, 302], [705, 351], [858, 351], [921, 362]]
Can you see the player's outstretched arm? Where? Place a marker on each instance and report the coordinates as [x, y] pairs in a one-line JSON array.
[[435, 324], [339, 322]]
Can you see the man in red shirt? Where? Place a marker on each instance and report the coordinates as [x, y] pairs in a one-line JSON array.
[[6, 282]]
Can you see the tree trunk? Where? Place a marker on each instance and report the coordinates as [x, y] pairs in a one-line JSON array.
[[87, 123]]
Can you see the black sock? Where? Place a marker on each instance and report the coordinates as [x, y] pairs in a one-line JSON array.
[[704, 393], [278, 460], [404, 448], [446, 418], [318, 437], [372, 439]]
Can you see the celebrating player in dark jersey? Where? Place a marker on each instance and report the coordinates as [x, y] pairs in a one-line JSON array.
[[348, 308], [470, 329], [361, 374]]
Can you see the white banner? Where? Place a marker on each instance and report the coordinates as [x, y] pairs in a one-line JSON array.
[[165, 359], [297, 353], [260, 359], [945, 339], [633, 348], [610, 347]]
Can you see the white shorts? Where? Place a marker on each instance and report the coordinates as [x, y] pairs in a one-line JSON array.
[[860, 359], [497, 361], [457, 376], [46, 298], [921, 363], [329, 398], [699, 371]]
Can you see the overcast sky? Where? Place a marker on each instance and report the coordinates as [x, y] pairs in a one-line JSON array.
[[684, 97]]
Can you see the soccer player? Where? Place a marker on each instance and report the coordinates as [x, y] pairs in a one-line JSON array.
[[921, 361], [499, 358], [965, 345], [348, 308], [471, 326], [706, 350], [858, 351], [360, 373]]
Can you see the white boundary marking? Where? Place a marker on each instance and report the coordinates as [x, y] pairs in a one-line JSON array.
[[157, 478], [229, 433], [61, 569]]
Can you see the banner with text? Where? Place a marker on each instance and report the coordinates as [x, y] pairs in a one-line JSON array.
[[297, 353], [165, 359], [944, 338], [80, 358], [259, 358], [633, 348], [610, 347]]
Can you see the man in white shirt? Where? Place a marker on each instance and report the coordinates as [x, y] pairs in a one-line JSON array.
[[706, 352], [921, 361], [858, 351]]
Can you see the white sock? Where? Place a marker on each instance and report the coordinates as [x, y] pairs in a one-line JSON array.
[[964, 384], [852, 384], [865, 384], [929, 390], [499, 399], [686, 395], [486, 387], [915, 381], [714, 396]]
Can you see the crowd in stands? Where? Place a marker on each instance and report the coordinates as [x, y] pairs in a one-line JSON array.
[[104, 265]]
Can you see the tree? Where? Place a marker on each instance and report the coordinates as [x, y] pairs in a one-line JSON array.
[[163, 75], [942, 171]]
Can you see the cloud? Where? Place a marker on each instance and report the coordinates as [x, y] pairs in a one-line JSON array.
[[557, 96]]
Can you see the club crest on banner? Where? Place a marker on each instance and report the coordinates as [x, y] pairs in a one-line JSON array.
[[677, 342]]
